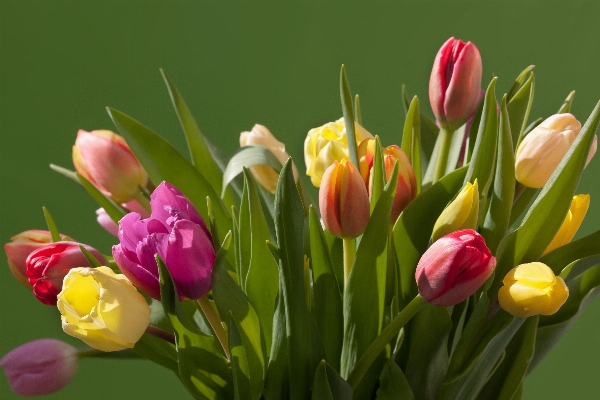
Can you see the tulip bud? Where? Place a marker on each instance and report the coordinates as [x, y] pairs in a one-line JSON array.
[[104, 159], [21, 246], [532, 289], [343, 200], [572, 222], [326, 144], [544, 147], [454, 267], [406, 189], [48, 265], [260, 136], [102, 309], [40, 367], [462, 213], [455, 83]]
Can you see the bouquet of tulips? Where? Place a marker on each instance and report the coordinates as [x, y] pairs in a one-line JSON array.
[[439, 268]]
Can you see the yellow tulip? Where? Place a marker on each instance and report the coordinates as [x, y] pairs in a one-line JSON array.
[[572, 222], [102, 309], [326, 144], [532, 289], [462, 213], [266, 176]]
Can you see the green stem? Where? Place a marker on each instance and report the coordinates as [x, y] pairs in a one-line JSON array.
[[349, 254], [159, 333], [215, 323], [446, 140], [378, 345], [143, 200], [89, 352]]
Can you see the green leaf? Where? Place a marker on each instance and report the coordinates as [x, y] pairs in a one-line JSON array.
[[247, 157], [239, 362], [378, 172], [54, 233], [530, 239], [519, 107], [357, 112], [304, 349], [230, 299], [114, 210], [576, 268], [277, 385], [481, 165], [199, 152], [158, 351], [164, 163], [328, 298], [428, 359], [411, 139], [559, 258], [393, 384], [413, 228], [201, 365], [518, 82], [566, 106], [454, 150], [346, 97], [89, 257], [67, 173], [501, 196], [520, 205], [473, 129], [262, 280], [328, 385], [429, 133]]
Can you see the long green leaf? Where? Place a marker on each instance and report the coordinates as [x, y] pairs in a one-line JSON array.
[[239, 362], [54, 232], [559, 258], [247, 157], [429, 133], [393, 384], [328, 385], [519, 107], [411, 139], [566, 105], [346, 96], [114, 210], [278, 379]]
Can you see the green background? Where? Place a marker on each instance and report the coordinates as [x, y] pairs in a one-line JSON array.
[[238, 64]]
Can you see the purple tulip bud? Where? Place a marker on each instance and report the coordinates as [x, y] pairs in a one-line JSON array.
[[176, 232], [455, 82], [40, 367]]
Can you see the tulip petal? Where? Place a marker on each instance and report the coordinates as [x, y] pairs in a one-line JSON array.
[[169, 205], [143, 277]]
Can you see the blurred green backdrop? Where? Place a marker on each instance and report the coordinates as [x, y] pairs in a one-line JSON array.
[[243, 63]]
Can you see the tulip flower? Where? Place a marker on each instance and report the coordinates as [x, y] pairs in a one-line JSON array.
[[326, 144], [454, 267], [343, 200], [266, 176], [572, 222], [40, 367], [455, 83], [48, 265], [102, 309], [21, 246], [406, 189], [532, 289], [544, 147], [104, 159], [176, 232], [462, 213], [105, 221]]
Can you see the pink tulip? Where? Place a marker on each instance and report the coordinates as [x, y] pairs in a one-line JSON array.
[[455, 83], [48, 265], [176, 232], [40, 367], [21, 246], [454, 267], [105, 221]]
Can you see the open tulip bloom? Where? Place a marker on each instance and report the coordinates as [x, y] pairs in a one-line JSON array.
[[417, 274]]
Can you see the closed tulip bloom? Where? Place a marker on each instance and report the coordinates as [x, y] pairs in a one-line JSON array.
[[406, 189], [104, 159], [455, 83], [40, 367], [532, 289], [462, 213], [19, 248], [544, 147], [102, 309], [572, 222], [176, 232], [326, 144], [454, 267], [260, 136], [48, 265], [343, 200]]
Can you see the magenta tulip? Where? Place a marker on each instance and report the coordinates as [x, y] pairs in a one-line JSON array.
[[454, 267], [40, 367], [176, 232], [48, 265], [455, 83]]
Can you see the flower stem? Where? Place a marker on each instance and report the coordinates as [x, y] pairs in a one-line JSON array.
[[143, 200], [349, 253], [446, 140], [215, 323], [378, 345], [159, 333], [88, 352]]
